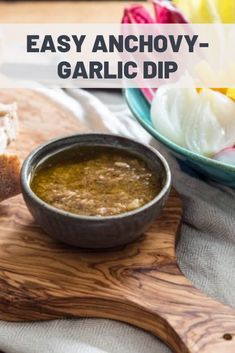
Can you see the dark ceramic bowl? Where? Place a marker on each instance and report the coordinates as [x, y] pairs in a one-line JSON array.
[[91, 231]]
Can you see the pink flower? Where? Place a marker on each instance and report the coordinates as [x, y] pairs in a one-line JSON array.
[[137, 14], [166, 12]]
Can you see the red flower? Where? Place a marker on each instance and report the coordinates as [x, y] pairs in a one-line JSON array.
[[166, 12], [137, 14]]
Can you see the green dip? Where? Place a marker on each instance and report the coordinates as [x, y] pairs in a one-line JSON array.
[[95, 181]]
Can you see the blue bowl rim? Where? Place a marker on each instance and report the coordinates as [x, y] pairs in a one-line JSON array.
[[178, 149]]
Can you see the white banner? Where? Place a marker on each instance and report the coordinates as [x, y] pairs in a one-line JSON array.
[[116, 56]]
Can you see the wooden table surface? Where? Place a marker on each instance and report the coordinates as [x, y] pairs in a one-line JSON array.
[[63, 11]]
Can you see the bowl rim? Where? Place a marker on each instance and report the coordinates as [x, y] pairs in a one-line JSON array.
[[178, 149], [25, 172]]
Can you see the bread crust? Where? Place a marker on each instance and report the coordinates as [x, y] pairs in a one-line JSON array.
[[10, 165], [8, 124]]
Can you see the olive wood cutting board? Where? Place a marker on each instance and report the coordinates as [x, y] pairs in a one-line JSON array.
[[140, 284]]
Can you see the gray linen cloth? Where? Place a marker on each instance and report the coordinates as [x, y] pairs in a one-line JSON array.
[[206, 250]]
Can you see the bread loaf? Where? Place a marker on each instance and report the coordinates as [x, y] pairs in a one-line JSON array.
[[9, 163], [9, 176]]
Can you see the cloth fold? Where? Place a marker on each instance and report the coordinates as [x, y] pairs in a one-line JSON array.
[[205, 252]]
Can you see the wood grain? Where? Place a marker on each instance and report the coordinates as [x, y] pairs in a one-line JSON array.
[[140, 284]]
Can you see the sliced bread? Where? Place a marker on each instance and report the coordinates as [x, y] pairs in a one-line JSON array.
[[9, 163]]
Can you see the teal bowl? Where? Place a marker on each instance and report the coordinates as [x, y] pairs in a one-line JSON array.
[[217, 171]]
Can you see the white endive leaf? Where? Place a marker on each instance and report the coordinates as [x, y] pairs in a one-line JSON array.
[[224, 109], [203, 133], [170, 109], [201, 122]]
